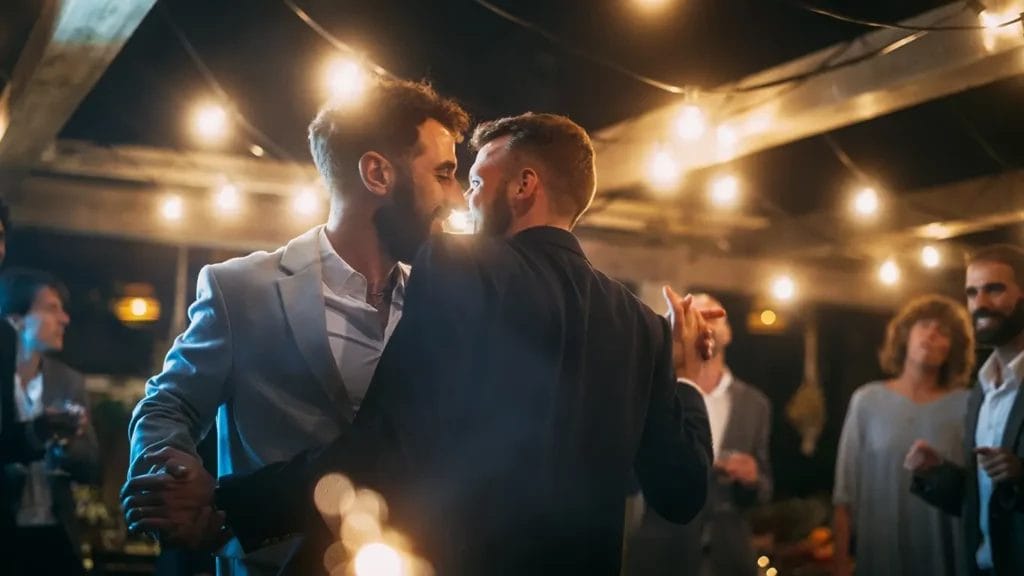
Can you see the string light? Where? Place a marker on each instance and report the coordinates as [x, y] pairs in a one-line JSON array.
[[210, 123], [930, 257], [173, 208], [771, 572], [459, 222], [726, 140], [228, 200], [663, 172], [306, 202], [725, 191], [768, 318], [865, 202], [691, 123], [763, 562], [889, 273], [346, 80], [783, 288]]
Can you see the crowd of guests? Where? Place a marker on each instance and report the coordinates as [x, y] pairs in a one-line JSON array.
[[502, 394]]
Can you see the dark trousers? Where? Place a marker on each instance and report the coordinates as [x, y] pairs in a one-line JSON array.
[[44, 550]]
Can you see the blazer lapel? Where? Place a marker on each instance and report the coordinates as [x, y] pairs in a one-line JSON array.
[[737, 418], [1013, 422], [973, 408], [303, 301]]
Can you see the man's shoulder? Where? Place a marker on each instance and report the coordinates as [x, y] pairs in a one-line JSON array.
[[56, 370], [251, 270], [752, 395]]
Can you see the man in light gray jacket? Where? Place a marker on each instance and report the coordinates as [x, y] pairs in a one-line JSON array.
[[281, 346]]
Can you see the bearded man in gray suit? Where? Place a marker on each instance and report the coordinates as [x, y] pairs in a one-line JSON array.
[[718, 541], [281, 346]]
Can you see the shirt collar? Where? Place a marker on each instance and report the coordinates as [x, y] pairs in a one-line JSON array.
[[344, 280], [723, 385], [1012, 373]]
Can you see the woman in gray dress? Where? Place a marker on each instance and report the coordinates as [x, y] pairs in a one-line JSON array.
[[929, 350]]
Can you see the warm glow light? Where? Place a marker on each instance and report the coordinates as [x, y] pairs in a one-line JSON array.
[[257, 150], [459, 222], [663, 172], [725, 191], [690, 124], [991, 20], [865, 202], [306, 202], [379, 559], [726, 138], [138, 307], [228, 199], [768, 318], [763, 562], [771, 572], [210, 123], [345, 80], [930, 257], [889, 273], [173, 208], [783, 288], [651, 4]]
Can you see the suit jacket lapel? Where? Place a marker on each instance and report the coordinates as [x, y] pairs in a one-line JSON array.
[[53, 389], [303, 301], [737, 416], [1013, 422], [973, 408]]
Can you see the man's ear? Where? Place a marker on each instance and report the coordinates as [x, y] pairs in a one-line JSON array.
[[377, 173]]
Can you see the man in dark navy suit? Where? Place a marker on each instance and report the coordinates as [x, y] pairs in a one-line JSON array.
[[518, 395]]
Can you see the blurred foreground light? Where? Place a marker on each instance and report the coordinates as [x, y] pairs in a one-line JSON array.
[[210, 123], [346, 80], [379, 559], [783, 288], [333, 495], [228, 199], [889, 273], [306, 202], [930, 257], [359, 529], [172, 208], [768, 317], [771, 572], [663, 172], [763, 562], [691, 123], [460, 222], [865, 202], [725, 191]]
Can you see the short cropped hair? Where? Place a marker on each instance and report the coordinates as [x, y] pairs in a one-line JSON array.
[[560, 145]]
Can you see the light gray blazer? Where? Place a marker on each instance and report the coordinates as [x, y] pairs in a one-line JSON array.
[[256, 358]]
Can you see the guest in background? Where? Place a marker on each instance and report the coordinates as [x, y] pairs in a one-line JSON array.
[[929, 350], [60, 443], [718, 541]]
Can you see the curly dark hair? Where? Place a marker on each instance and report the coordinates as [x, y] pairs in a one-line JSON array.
[[957, 369], [558, 145], [387, 122]]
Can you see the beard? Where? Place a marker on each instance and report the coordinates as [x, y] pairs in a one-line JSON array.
[[402, 228], [1005, 329], [496, 217]]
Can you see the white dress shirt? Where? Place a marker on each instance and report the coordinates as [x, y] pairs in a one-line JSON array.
[[719, 405], [36, 507], [353, 324], [992, 417]]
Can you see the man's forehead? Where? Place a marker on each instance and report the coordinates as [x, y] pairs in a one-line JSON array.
[[988, 271]]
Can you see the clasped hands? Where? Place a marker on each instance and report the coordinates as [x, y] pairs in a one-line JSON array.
[[174, 502]]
